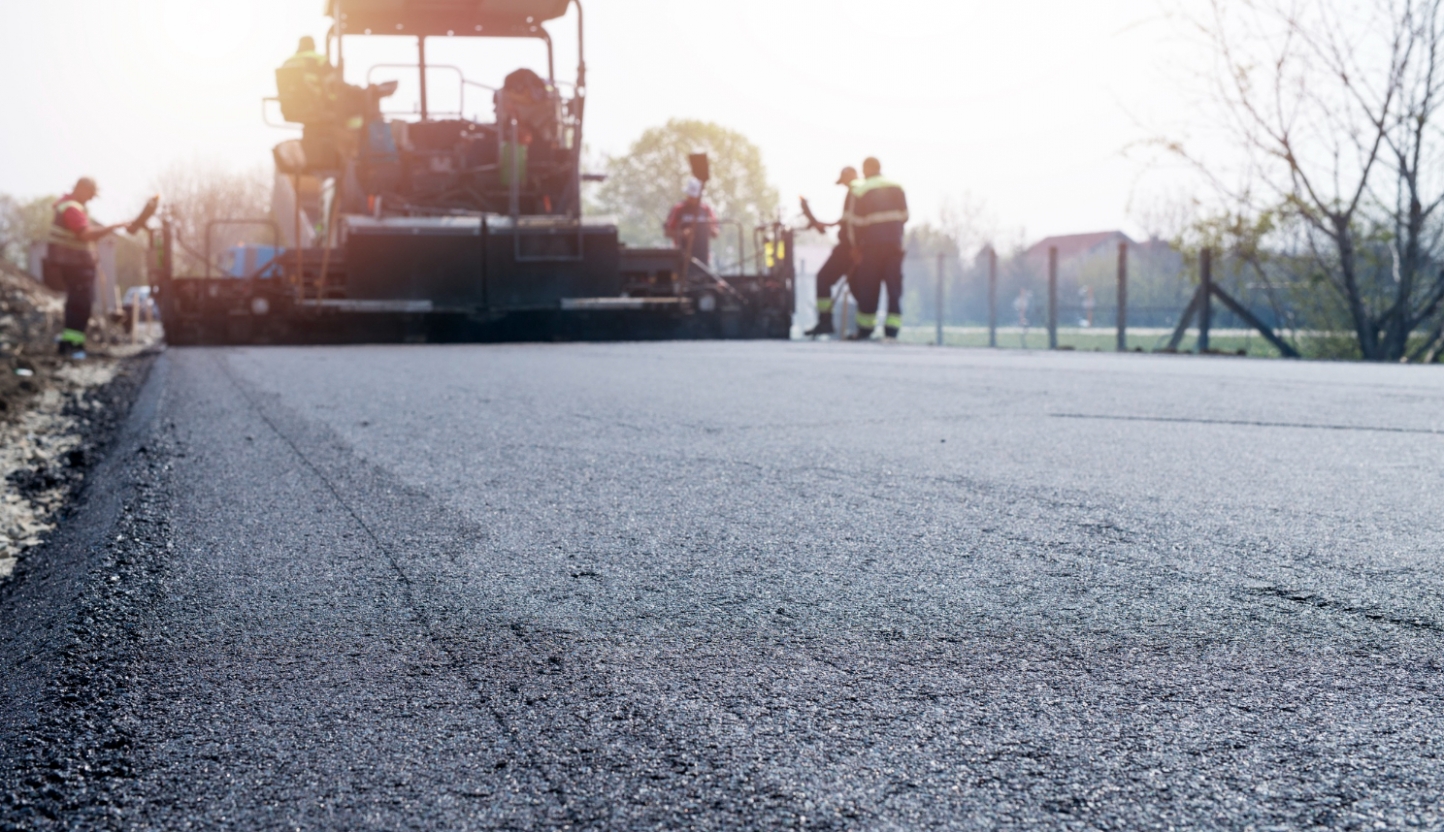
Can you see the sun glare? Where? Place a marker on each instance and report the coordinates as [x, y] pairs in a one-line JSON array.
[[208, 30]]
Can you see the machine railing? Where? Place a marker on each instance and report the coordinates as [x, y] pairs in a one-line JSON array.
[[211, 226], [741, 247], [463, 83], [266, 114]]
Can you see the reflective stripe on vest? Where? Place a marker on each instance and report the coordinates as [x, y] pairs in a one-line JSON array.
[[865, 213], [879, 217], [872, 183], [312, 60], [316, 66], [62, 236]]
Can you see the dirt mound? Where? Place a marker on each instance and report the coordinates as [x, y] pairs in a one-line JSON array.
[[51, 409], [30, 320], [30, 314]]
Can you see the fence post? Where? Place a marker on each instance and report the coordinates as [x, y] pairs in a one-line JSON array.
[[1123, 297], [992, 297], [1052, 297], [940, 298], [1205, 311]]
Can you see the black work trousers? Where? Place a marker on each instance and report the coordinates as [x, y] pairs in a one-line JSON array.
[[838, 265], [880, 265], [79, 296]]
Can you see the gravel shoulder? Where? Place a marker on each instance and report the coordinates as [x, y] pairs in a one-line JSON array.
[[55, 413]]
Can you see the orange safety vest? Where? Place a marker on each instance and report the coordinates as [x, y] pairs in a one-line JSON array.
[[65, 245]]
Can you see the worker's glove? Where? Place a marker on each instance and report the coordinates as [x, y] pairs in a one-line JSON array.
[[151, 206]]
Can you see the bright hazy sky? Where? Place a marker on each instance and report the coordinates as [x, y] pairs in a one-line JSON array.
[[1027, 106]]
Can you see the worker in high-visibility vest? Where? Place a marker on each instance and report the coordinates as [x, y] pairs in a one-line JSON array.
[[320, 97], [840, 262], [692, 220], [71, 256], [332, 112], [317, 66], [879, 217]]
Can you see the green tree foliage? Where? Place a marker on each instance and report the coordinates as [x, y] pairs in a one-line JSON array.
[[1258, 259], [23, 222], [644, 184]]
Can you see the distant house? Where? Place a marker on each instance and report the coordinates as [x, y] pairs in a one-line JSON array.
[[1078, 245]]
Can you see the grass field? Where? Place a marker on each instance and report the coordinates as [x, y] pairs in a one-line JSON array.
[[1096, 339]]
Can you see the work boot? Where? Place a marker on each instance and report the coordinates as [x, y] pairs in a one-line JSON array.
[[824, 327], [891, 326], [71, 341], [864, 333]]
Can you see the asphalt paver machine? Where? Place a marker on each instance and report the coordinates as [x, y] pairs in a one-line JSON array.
[[436, 226]]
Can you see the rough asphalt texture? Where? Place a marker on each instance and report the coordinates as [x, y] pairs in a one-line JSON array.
[[713, 585]]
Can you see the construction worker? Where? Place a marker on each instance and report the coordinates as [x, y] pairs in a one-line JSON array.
[[692, 218], [842, 259], [331, 112], [316, 65], [71, 256], [879, 215], [321, 97]]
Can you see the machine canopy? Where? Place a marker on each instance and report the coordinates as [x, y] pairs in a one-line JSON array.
[[443, 17]]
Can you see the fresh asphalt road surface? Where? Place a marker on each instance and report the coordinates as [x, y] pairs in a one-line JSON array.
[[767, 585]]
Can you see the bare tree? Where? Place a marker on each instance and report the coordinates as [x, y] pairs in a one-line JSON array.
[[969, 222], [1417, 151], [1333, 103], [198, 194]]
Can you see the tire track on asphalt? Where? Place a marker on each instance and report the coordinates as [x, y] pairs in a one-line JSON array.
[[534, 765]]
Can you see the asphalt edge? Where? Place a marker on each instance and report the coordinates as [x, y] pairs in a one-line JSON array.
[[72, 613]]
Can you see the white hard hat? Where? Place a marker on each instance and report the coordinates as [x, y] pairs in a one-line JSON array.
[[693, 188]]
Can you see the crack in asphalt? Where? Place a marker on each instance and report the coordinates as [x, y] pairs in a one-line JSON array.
[[1249, 423], [1317, 601], [419, 610]]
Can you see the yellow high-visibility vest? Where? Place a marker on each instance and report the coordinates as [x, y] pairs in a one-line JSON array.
[[314, 60], [64, 237]]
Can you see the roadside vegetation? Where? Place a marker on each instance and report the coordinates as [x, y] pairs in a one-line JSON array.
[[1332, 198], [196, 195], [644, 183], [199, 196]]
